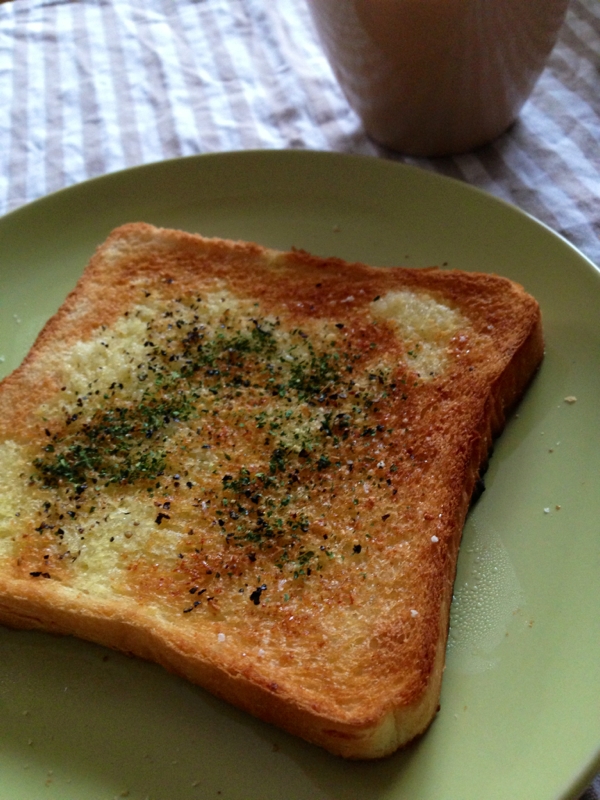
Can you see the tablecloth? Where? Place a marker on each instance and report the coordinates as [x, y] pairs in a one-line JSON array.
[[93, 86]]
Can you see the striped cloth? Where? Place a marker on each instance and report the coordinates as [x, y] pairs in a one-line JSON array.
[[92, 86]]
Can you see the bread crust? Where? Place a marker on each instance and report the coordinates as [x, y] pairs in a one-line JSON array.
[[358, 699]]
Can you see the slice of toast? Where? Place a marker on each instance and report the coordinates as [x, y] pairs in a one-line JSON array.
[[254, 467]]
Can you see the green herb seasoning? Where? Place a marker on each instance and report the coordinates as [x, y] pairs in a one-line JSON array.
[[234, 429]]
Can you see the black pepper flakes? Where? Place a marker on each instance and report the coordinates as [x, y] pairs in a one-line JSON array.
[[216, 361], [255, 596]]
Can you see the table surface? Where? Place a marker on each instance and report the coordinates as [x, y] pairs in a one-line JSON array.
[[94, 86]]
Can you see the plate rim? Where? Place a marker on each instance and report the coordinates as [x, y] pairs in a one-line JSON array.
[[593, 765], [304, 153]]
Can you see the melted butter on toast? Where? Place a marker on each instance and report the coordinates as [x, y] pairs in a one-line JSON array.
[[425, 325], [212, 460]]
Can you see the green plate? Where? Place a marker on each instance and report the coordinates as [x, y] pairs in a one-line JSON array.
[[520, 715]]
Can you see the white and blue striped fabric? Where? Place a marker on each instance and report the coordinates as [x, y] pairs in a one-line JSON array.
[[92, 86]]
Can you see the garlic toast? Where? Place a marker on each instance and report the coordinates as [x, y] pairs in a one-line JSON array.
[[254, 467]]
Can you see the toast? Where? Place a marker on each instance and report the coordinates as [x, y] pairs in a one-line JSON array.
[[254, 467]]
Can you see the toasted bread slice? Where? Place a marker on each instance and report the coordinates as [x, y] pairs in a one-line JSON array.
[[254, 467]]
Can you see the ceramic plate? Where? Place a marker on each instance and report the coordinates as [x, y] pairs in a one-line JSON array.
[[520, 716]]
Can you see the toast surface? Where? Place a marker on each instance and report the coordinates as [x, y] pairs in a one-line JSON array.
[[254, 468]]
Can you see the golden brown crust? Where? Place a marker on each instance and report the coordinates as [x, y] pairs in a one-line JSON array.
[[349, 653]]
